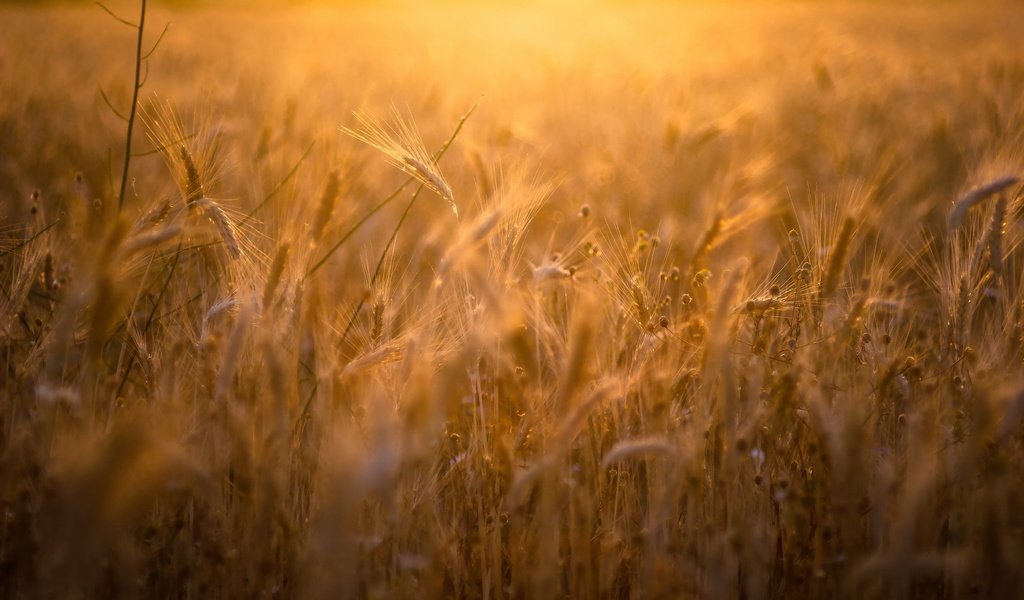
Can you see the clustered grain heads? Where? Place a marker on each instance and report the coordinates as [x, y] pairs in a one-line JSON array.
[[751, 342]]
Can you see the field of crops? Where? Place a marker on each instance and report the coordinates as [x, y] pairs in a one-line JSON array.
[[596, 300]]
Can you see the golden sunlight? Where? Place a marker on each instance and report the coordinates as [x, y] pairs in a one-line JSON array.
[[467, 299]]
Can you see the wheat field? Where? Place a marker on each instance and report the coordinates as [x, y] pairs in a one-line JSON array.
[[486, 300]]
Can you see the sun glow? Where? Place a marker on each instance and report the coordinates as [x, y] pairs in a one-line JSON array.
[[501, 299]]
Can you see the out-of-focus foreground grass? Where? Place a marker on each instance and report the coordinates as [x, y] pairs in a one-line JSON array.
[[732, 306]]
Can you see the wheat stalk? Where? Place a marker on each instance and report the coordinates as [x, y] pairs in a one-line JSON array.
[[400, 143], [225, 227]]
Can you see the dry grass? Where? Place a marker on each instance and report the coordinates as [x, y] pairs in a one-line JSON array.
[[734, 306]]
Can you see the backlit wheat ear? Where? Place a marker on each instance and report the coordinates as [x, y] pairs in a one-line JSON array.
[[976, 196], [276, 270], [636, 448], [837, 258], [152, 217], [150, 239], [225, 227], [326, 206], [193, 183], [384, 354], [403, 147], [469, 238], [190, 153]]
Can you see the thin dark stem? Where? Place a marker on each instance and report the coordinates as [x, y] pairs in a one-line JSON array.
[[158, 40], [113, 14], [380, 263], [135, 104], [150, 318], [362, 302], [163, 147], [356, 227], [280, 184], [110, 105], [29, 240]]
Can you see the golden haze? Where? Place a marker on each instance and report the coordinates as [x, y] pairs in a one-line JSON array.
[[716, 300]]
